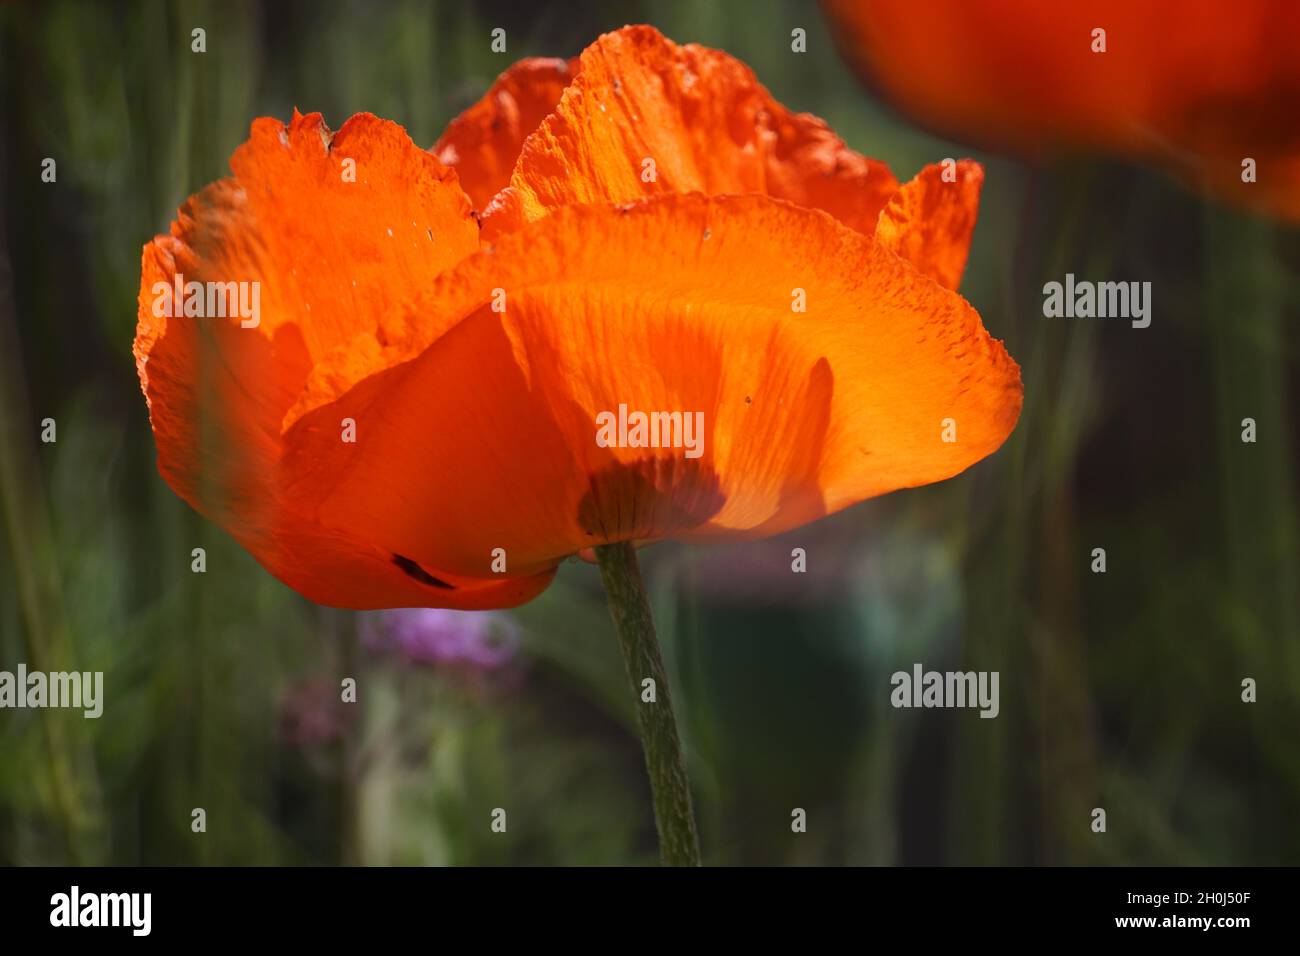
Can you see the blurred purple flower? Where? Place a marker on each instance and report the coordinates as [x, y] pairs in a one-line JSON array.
[[311, 713], [483, 640]]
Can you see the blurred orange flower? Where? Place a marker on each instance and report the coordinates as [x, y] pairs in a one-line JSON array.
[[412, 416], [1205, 89]]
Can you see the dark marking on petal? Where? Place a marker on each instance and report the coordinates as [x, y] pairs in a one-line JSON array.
[[421, 575]]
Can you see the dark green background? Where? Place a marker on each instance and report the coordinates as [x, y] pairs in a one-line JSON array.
[[1119, 690]]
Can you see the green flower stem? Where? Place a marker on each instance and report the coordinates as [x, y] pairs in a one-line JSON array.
[[630, 608]]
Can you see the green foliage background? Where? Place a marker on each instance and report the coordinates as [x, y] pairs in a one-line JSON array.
[[1119, 691]]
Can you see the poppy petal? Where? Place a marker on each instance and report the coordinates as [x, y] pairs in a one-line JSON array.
[[490, 438], [644, 116], [1196, 88], [483, 143], [930, 220], [331, 261]]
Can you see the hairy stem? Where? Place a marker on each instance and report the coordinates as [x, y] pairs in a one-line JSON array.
[[630, 608]]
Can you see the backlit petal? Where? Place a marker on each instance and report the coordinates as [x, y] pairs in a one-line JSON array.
[[644, 116], [929, 221], [335, 261], [483, 143], [487, 439]]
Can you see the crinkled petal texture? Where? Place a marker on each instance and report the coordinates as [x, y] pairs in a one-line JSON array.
[[638, 116], [338, 250], [484, 141], [930, 220], [765, 333], [1196, 86], [644, 116]]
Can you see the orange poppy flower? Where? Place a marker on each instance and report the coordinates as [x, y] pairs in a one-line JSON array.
[[415, 414], [1202, 88]]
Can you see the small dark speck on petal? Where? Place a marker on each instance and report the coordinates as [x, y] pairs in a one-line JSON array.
[[424, 577]]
